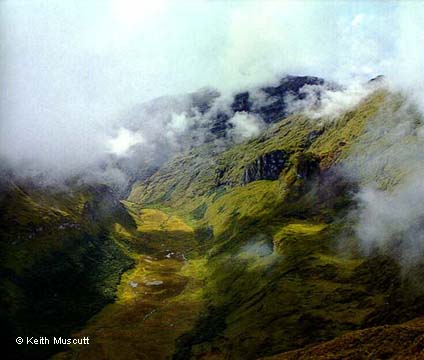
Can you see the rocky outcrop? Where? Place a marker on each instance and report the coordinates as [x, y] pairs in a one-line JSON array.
[[207, 117], [266, 167], [306, 166], [274, 106], [242, 102], [219, 124], [289, 85], [377, 79]]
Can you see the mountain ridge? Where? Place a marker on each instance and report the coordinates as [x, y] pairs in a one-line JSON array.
[[258, 238]]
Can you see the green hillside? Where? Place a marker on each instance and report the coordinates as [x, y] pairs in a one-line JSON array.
[[60, 260], [277, 278], [236, 253]]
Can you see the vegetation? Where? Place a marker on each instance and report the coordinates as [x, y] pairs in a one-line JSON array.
[[59, 265], [403, 341], [198, 264]]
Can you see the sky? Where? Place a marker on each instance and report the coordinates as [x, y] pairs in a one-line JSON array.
[[70, 68]]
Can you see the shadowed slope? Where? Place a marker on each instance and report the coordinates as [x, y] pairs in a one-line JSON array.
[[396, 342]]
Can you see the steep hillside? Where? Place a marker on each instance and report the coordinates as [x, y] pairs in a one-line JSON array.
[[173, 124], [283, 264], [204, 173], [224, 252], [211, 180], [60, 262]]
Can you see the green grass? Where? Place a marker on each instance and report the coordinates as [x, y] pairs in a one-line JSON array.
[[275, 277], [145, 320], [59, 265], [265, 271]]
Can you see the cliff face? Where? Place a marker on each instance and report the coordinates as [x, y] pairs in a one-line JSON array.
[[289, 85], [266, 167]]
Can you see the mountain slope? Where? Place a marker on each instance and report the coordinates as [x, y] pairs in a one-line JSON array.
[[60, 262], [273, 211], [238, 251], [404, 341]]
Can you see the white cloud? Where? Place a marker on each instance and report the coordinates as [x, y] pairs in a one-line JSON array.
[[179, 123], [244, 126], [320, 102], [70, 68], [393, 220], [358, 19], [122, 143]]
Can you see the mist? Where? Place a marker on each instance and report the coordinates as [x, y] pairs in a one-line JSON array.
[[326, 103], [386, 163], [75, 75], [392, 222]]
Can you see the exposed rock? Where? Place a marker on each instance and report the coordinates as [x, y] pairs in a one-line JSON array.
[[202, 99], [313, 135], [154, 283], [306, 166], [277, 108], [377, 79], [208, 119], [274, 107], [266, 167], [220, 124], [219, 174], [133, 284], [220, 177], [241, 102]]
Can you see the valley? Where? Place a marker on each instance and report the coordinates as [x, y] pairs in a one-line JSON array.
[[157, 301], [244, 253], [212, 180]]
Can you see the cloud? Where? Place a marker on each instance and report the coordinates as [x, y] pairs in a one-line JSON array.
[[386, 164], [407, 72], [124, 141], [100, 87], [244, 126], [258, 251], [326, 103], [391, 148], [72, 70], [393, 221], [357, 20], [179, 123]]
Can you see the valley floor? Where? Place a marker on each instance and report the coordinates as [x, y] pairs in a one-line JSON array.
[[157, 301]]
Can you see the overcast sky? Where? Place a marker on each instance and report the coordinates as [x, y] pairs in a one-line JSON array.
[[69, 68]]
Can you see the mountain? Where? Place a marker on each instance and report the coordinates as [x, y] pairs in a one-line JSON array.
[[179, 123], [243, 251]]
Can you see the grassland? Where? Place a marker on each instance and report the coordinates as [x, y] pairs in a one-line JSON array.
[[157, 301], [283, 268], [197, 264]]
